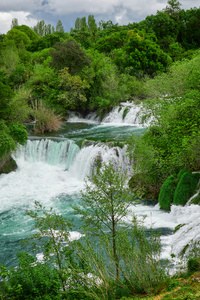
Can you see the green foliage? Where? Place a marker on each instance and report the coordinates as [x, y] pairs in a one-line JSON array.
[[196, 200], [36, 280], [42, 29], [9, 58], [7, 144], [47, 41], [140, 270], [180, 173], [193, 265], [173, 137], [105, 90], [185, 187], [59, 26], [10, 136], [69, 54], [109, 43], [167, 191], [18, 36], [148, 175], [105, 203], [5, 97], [29, 32], [85, 32], [182, 76], [134, 88], [20, 111], [18, 133], [53, 232], [18, 76], [146, 56], [73, 95], [46, 120]]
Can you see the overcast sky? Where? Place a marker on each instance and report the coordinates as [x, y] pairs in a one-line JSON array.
[[29, 12]]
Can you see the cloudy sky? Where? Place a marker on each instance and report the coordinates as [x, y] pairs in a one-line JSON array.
[[119, 11]]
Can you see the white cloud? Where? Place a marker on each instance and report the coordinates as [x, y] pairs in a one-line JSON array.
[[24, 18], [87, 6], [19, 5], [119, 11]]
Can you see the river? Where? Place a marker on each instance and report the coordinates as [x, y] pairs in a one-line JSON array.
[[52, 170]]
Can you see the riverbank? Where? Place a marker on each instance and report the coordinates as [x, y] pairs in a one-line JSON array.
[[7, 165]]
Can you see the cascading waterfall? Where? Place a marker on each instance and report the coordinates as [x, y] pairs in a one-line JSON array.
[[100, 153], [61, 153], [127, 114], [66, 154], [80, 163], [52, 171]]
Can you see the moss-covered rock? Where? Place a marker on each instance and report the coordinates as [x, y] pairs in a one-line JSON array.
[[167, 191], [186, 187], [196, 200], [147, 190], [7, 165]]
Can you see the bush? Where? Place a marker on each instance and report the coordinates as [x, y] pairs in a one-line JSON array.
[[193, 265], [33, 279], [167, 191], [186, 187], [181, 172], [46, 119]]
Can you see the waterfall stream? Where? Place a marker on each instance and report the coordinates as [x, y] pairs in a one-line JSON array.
[[52, 171]]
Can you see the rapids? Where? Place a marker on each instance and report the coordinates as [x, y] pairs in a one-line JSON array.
[[52, 170]]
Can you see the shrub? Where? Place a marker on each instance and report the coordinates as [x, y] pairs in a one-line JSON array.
[[31, 280], [46, 119], [181, 172], [192, 265], [196, 200], [167, 191], [186, 187]]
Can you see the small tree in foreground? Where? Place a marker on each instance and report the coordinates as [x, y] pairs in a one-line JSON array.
[[52, 237], [105, 203]]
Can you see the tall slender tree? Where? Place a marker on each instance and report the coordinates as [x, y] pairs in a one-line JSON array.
[[105, 202]]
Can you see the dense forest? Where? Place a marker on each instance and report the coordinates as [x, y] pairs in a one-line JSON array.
[[46, 73]]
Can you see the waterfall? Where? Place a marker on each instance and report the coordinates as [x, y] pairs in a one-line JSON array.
[[61, 153], [127, 114], [52, 171], [67, 155], [101, 153]]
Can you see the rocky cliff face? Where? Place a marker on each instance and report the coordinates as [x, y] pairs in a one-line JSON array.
[[7, 165]]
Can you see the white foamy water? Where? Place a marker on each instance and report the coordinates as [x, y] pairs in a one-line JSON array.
[[91, 118], [188, 217], [41, 177], [127, 114]]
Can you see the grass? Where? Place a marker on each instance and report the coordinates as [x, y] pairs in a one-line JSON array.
[[46, 119], [176, 289]]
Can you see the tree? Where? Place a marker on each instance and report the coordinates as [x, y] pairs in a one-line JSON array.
[[92, 24], [6, 95], [34, 37], [42, 29], [105, 202], [74, 90], [53, 234], [173, 8], [18, 37], [144, 55], [59, 26], [14, 23], [70, 55]]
